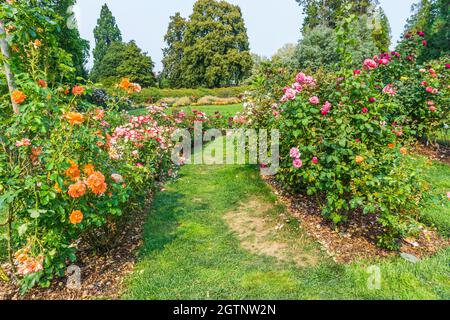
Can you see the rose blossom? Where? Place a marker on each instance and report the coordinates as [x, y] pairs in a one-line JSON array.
[[294, 153], [297, 163], [369, 64], [297, 87], [23, 143], [315, 160], [314, 100], [325, 108], [365, 110]]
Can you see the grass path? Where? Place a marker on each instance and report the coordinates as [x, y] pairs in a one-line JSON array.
[[212, 234]]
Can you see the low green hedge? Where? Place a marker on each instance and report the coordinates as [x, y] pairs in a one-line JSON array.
[[151, 95]]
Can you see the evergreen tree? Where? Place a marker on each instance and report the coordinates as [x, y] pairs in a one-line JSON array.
[[173, 53], [105, 33], [125, 60], [381, 30]]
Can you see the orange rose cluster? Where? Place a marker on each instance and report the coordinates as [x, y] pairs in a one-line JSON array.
[[128, 86], [95, 181]]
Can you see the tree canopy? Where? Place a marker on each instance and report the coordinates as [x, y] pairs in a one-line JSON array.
[[329, 13], [125, 60], [211, 49], [433, 18]]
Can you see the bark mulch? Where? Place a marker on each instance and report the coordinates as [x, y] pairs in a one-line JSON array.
[[355, 239]]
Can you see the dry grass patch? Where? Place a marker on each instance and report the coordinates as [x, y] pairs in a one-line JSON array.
[[263, 233]]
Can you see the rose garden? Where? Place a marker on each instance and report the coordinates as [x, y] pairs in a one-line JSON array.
[[358, 209]]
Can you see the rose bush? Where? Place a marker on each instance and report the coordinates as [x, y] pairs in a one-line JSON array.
[[344, 135], [69, 169]]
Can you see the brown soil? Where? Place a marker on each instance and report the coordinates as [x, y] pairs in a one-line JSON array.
[[353, 240], [261, 233], [434, 152]]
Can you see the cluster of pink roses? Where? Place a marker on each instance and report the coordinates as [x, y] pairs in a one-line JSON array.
[[297, 163], [302, 80], [295, 155]]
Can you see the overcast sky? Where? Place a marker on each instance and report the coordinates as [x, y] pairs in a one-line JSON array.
[[270, 23]]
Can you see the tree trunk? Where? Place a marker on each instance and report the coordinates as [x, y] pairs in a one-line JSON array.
[[8, 73]]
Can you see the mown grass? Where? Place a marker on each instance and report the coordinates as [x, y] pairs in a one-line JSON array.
[[436, 208], [226, 110], [191, 253]]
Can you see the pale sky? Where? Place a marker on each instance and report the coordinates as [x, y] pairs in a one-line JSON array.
[[270, 23]]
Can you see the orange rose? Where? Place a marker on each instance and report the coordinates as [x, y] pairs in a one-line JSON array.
[[77, 91], [391, 145], [18, 96], [404, 151], [359, 159], [37, 43], [77, 190], [73, 172], [76, 217], [89, 169], [96, 183], [74, 118], [125, 84]]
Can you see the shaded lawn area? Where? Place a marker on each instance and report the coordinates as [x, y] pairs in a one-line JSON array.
[[190, 252], [226, 110]]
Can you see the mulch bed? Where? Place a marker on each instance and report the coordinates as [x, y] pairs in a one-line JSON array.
[[102, 274], [434, 152], [355, 239]]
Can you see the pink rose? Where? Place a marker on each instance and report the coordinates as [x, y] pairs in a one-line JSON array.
[[447, 66], [429, 89], [372, 100], [369, 64], [315, 160], [294, 153], [365, 110], [297, 87], [424, 42], [297, 163], [389, 89], [326, 108], [432, 108], [117, 178], [356, 72], [314, 100], [448, 195], [300, 78], [421, 33], [290, 93], [23, 143]]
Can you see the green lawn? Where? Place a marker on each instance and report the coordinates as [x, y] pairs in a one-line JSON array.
[[226, 110], [437, 207], [193, 251]]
